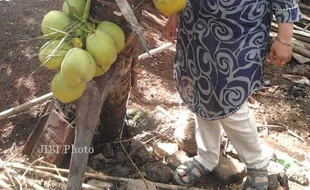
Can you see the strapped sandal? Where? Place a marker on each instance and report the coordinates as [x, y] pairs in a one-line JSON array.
[[256, 179], [189, 167]]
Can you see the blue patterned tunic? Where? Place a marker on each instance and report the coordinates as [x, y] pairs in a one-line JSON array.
[[221, 48]]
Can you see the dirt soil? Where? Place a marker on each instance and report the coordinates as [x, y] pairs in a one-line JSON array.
[[20, 23]]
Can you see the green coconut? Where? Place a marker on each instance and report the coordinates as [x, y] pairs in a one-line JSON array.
[[78, 67], [115, 32], [53, 22], [53, 62], [76, 9], [64, 92], [99, 71], [102, 47]]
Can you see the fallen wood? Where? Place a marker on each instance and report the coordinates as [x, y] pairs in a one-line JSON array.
[[295, 135], [29, 182], [4, 185], [305, 17], [297, 34], [45, 173], [297, 79], [25, 106], [155, 51], [303, 6], [99, 176], [300, 51]]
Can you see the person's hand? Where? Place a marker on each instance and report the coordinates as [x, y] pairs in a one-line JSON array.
[[279, 54], [281, 48], [171, 28]]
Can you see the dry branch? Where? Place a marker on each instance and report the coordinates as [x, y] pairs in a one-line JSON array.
[[305, 7], [297, 34], [155, 51], [99, 176], [4, 185], [23, 107], [46, 174], [29, 182]]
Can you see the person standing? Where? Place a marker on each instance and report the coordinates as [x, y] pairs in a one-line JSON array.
[[221, 46]]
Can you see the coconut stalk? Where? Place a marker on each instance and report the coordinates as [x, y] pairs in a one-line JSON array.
[[86, 12]]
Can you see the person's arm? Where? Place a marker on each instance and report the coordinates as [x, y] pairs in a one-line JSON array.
[[171, 27], [286, 12]]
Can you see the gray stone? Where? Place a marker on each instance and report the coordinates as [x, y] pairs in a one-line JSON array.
[[120, 155], [100, 184], [177, 159], [140, 155], [139, 120], [278, 170], [230, 170], [185, 137], [120, 171], [138, 184], [298, 175], [107, 151], [164, 149], [157, 172]]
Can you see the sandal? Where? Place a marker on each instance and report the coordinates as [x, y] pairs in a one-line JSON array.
[[256, 179], [189, 168]]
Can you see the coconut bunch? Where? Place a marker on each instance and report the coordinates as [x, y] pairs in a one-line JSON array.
[[77, 48]]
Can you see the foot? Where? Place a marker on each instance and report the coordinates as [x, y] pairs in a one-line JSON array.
[[256, 180], [189, 172]]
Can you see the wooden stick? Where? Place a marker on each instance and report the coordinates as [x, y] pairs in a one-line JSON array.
[[300, 51], [155, 51], [299, 35], [303, 6], [47, 174], [23, 178], [4, 185], [99, 176], [23, 107]]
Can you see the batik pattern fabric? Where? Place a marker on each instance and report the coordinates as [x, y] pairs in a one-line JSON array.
[[221, 49]]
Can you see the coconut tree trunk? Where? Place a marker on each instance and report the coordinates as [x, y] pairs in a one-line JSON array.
[[115, 105]]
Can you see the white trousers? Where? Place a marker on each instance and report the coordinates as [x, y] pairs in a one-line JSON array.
[[241, 130]]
